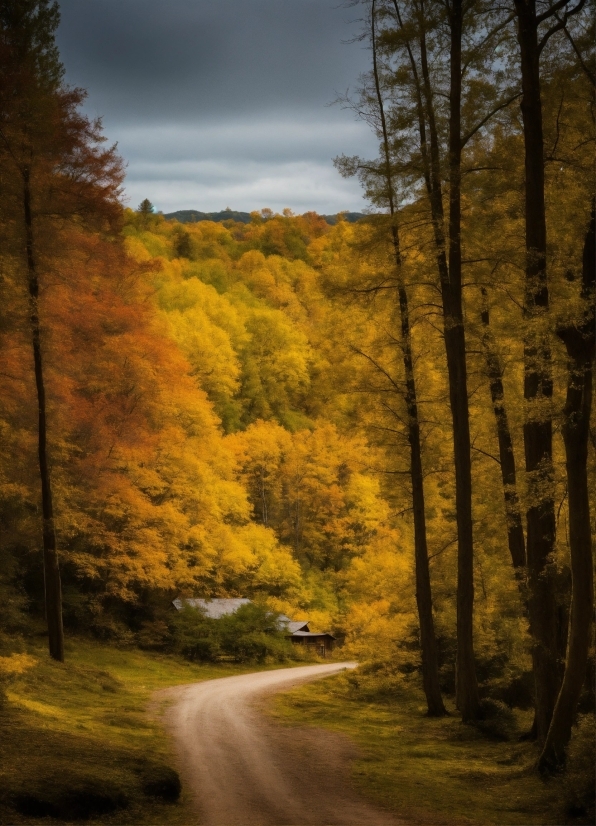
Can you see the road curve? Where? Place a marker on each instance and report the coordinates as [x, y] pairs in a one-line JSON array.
[[243, 770]]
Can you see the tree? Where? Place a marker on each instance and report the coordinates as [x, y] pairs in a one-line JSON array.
[[579, 340], [449, 264], [538, 380], [428, 644], [145, 208], [494, 370], [54, 170]]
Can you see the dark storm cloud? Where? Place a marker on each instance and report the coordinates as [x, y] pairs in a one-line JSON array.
[[204, 91]]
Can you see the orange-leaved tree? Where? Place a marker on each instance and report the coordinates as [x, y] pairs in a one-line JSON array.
[[54, 171]]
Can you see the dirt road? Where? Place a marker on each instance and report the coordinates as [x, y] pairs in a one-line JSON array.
[[243, 770]]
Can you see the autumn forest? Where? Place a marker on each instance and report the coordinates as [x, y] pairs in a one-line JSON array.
[[382, 425]]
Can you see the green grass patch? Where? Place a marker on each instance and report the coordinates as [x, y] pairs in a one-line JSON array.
[[78, 743], [438, 771]]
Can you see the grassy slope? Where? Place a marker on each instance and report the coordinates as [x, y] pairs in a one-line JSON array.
[[431, 771], [84, 725]]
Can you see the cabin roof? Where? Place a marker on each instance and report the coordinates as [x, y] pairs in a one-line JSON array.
[[298, 625], [213, 608], [292, 625], [311, 634]]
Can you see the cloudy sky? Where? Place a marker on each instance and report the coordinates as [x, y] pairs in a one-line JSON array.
[[218, 103]]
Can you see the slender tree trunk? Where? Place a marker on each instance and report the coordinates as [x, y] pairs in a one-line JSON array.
[[579, 341], [428, 642], [53, 588], [455, 344], [515, 529], [538, 386], [449, 267]]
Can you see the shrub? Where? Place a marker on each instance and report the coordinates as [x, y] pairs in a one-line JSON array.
[[163, 782], [81, 799], [251, 634], [195, 635], [377, 681], [10, 668], [496, 720], [578, 780]]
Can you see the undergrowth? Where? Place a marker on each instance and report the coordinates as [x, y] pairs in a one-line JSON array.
[[432, 771], [77, 741]]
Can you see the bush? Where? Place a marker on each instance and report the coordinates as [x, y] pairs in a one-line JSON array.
[[195, 635], [154, 635], [516, 692], [80, 800], [377, 681], [163, 782], [578, 784], [496, 720], [251, 634], [11, 667]]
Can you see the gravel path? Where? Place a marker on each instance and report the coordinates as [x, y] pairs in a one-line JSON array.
[[243, 770]]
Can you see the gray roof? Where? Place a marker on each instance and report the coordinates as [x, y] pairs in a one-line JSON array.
[[291, 625], [311, 634], [214, 608], [299, 625]]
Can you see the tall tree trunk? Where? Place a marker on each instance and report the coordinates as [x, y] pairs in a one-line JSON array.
[[579, 341], [428, 642], [53, 588], [538, 386], [455, 345], [515, 528], [449, 267]]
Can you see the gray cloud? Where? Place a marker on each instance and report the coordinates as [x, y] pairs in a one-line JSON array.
[[230, 94]]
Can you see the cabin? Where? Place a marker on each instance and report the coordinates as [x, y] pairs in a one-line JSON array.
[[300, 634], [320, 644], [297, 630]]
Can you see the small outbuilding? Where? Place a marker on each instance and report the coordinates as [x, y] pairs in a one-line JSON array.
[[321, 644], [300, 634]]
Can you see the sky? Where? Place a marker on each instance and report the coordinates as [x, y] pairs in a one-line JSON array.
[[223, 103]]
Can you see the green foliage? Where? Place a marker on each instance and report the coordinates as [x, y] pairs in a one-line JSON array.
[[496, 720], [29, 28], [250, 634], [378, 681], [196, 636], [145, 207]]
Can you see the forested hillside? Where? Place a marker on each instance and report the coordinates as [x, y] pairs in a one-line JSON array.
[[191, 216], [382, 426]]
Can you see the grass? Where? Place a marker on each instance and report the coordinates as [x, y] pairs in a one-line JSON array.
[[78, 743], [434, 771], [79, 736]]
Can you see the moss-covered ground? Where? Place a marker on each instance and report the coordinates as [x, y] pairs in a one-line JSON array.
[[439, 771], [77, 741]]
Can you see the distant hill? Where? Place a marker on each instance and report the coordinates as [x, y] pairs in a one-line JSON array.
[[191, 216]]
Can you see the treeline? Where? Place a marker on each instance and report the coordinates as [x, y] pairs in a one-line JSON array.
[[380, 426], [191, 216]]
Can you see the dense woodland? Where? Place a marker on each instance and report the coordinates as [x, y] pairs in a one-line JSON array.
[[382, 426]]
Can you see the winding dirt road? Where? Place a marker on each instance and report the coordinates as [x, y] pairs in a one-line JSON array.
[[243, 770]]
